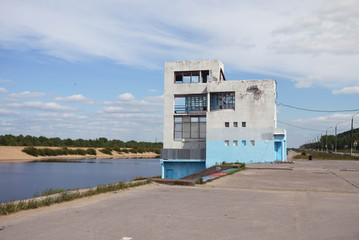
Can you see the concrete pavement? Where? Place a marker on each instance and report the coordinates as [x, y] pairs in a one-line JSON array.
[[313, 200]]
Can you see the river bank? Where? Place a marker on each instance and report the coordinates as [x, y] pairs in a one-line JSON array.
[[14, 154]]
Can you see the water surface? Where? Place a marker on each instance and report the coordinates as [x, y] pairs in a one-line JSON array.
[[22, 180]]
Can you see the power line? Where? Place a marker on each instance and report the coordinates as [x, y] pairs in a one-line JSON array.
[[316, 110], [301, 127]]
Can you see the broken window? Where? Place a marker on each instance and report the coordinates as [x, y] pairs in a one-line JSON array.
[[192, 76], [187, 127], [222, 100], [180, 105], [205, 76], [185, 104]]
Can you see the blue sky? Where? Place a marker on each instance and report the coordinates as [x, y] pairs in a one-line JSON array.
[[90, 69]]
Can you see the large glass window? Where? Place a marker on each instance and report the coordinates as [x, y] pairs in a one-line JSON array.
[[178, 129], [190, 103], [187, 127], [222, 100]]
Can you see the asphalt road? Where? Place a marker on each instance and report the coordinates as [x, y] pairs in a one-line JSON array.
[[306, 200]]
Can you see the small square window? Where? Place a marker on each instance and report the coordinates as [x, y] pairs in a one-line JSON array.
[[244, 142], [235, 143], [235, 124], [244, 124], [226, 142], [226, 124], [253, 142]]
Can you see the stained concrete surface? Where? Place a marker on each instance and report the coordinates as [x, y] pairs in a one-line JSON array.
[[314, 200]]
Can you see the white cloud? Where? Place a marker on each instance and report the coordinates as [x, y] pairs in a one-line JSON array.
[[153, 90], [347, 90], [126, 97], [8, 113], [75, 98], [40, 106], [61, 116], [27, 94], [314, 43], [3, 90]]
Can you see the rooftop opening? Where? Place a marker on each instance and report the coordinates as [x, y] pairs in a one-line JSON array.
[[192, 76]]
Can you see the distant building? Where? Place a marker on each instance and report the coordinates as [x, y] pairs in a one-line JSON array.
[[208, 120]]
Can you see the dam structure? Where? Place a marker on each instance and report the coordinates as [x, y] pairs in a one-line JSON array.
[[209, 119]]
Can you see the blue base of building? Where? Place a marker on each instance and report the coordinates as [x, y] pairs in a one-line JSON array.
[[259, 151], [176, 169]]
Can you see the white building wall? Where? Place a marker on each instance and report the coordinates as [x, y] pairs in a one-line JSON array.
[[171, 89]]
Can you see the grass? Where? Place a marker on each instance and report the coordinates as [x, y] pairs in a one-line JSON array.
[[11, 207], [324, 156]]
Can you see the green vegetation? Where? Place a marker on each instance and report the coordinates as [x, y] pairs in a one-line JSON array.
[[56, 152], [325, 156], [106, 151], [138, 178], [111, 145], [10, 140], [199, 181], [11, 207], [343, 140]]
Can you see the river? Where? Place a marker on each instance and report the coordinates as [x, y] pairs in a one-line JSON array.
[[23, 180]]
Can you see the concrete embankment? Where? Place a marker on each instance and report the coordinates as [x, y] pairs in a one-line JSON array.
[[314, 200]]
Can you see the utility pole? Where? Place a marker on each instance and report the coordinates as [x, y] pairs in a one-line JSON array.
[[351, 134], [336, 142], [326, 137]]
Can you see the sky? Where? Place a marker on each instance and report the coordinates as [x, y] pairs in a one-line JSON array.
[[90, 68]]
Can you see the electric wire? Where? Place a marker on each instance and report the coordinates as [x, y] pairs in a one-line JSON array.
[[311, 129], [317, 110]]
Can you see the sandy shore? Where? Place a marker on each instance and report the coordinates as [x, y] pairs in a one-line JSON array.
[[15, 154]]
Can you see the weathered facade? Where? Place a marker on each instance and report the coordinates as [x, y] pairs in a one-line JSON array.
[[208, 120]]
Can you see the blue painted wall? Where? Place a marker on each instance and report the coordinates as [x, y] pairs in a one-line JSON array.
[[217, 152], [177, 169]]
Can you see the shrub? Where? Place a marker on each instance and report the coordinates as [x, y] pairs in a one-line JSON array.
[[303, 153], [106, 151], [31, 151], [91, 151]]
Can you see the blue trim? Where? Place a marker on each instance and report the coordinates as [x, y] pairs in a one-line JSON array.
[[262, 152], [176, 170], [182, 160]]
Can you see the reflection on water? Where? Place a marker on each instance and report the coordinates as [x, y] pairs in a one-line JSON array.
[[22, 180]]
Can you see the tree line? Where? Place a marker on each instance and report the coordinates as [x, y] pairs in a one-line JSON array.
[[102, 142], [343, 141]]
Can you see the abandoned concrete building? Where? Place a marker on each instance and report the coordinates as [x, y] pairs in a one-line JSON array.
[[208, 120]]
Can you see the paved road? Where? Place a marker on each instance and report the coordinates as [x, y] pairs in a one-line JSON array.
[[313, 200]]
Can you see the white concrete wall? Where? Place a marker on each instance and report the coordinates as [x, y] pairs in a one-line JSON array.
[[256, 108], [171, 89]]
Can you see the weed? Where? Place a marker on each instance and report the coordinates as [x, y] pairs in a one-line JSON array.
[[10, 207]]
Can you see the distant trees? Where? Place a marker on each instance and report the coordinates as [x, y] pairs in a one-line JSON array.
[[343, 139], [102, 142]]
